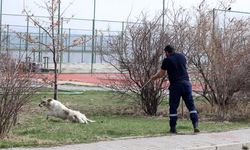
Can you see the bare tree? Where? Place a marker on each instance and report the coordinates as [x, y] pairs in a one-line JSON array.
[[17, 85], [52, 29], [136, 54]]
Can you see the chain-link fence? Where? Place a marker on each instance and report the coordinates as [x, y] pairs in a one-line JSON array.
[[83, 58]]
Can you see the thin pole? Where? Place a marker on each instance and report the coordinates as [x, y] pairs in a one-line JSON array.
[[69, 45], [8, 40], [163, 15], [20, 48], [1, 13], [27, 38], [61, 53], [58, 33], [82, 46], [93, 38], [95, 44], [163, 23], [101, 45], [39, 46], [213, 32]]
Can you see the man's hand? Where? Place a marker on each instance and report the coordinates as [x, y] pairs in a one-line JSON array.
[[154, 77], [161, 73]]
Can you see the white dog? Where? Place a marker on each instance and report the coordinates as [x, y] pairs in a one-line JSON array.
[[57, 109]]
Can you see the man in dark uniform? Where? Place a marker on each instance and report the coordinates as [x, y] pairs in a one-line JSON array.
[[180, 86]]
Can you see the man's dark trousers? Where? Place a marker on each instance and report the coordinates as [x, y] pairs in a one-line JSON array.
[[176, 91]]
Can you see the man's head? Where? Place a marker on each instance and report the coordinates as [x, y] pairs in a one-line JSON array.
[[169, 50]]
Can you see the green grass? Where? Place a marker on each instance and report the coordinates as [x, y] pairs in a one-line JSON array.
[[111, 122]]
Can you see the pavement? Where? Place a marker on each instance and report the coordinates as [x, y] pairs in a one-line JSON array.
[[229, 140]]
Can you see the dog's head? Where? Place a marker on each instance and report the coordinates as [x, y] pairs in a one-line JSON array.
[[45, 102]]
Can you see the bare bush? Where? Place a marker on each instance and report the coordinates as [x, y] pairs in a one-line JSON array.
[[16, 88], [136, 53], [220, 56], [217, 50]]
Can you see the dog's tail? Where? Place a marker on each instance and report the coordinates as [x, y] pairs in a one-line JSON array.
[[84, 118], [89, 120]]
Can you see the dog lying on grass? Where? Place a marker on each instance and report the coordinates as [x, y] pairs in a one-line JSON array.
[[57, 109]]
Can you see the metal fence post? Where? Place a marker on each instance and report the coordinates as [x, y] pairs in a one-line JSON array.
[[58, 40], [34, 55], [61, 45], [83, 47], [101, 45], [46, 41], [69, 46], [46, 62], [42, 40], [27, 38], [93, 45], [1, 11], [93, 38], [3, 44], [7, 40], [123, 36], [39, 45], [20, 48]]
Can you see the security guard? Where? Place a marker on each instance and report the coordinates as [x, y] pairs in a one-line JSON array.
[[180, 86]]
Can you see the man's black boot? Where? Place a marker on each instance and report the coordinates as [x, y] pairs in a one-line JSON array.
[[173, 130], [195, 125], [196, 130]]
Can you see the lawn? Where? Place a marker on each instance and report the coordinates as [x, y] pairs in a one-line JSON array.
[[115, 118]]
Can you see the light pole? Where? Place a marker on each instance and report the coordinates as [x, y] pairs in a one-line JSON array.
[[93, 38], [27, 38], [163, 14], [1, 7], [58, 33], [163, 23]]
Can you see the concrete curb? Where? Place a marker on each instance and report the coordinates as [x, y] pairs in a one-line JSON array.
[[230, 146], [203, 148], [246, 145], [234, 146]]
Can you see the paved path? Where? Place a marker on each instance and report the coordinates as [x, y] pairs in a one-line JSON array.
[[231, 140], [100, 80]]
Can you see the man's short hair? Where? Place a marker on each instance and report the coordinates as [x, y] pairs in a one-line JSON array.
[[169, 49]]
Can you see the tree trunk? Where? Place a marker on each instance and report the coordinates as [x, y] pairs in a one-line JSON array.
[[150, 102], [55, 80], [55, 75]]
